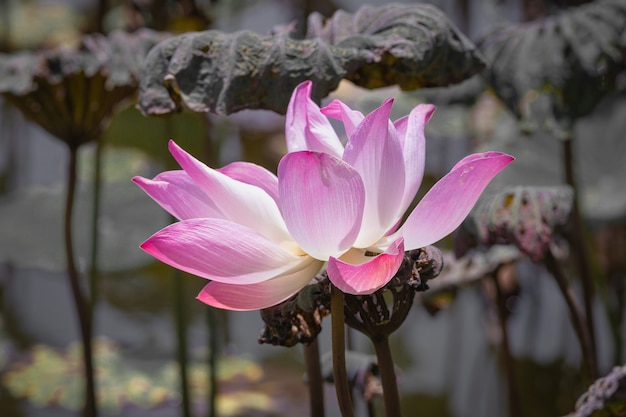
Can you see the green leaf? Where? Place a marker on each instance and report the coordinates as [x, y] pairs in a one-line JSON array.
[[413, 46], [552, 71]]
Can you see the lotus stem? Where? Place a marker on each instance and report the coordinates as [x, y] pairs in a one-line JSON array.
[[213, 356], [340, 376], [576, 314], [181, 339], [515, 404], [80, 302], [386, 366], [580, 254], [97, 193], [315, 380]]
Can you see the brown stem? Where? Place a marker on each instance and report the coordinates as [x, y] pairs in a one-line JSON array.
[[576, 314], [213, 360], [580, 254], [80, 302], [515, 405], [180, 316], [314, 374], [340, 376], [95, 230], [391, 396]]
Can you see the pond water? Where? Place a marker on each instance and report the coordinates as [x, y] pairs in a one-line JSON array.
[[449, 363]]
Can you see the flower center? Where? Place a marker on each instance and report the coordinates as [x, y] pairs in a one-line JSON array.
[[292, 247]]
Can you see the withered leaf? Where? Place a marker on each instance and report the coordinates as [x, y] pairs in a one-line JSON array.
[[552, 71], [526, 217], [412, 46]]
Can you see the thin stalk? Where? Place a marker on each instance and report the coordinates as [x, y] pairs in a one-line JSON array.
[[576, 314], [100, 15], [5, 38], [515, 404], [97, 192], [314, 374], [391, 396], [213, 356], [580, 254], [80, 302], [181, 339], [340, 376]]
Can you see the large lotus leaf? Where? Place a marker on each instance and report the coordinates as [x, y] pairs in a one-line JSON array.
[[412, 46], [224, 73], [552, 71], [527, 217], [73, 92]]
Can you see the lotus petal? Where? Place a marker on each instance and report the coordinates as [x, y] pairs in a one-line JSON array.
[[375, 151], [238, 201], [220, 250], [414, 150], [253, 174], [450, 200], [355, 273], [179, 195], [262, 294], [307, 128], [340, 111], [322, 202]]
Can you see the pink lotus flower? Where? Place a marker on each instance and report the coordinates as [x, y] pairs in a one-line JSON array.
[[260, 238]]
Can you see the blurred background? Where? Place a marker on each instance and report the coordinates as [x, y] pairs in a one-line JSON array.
[[448, 352]]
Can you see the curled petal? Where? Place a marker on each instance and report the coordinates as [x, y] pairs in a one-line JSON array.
[[450, 200], [414, 151], [340, 111], [401, 125], [356, 273], [306, 127], [322, 202], [475, 156], [220, 250], [260, 295], [237, 201], [253, 174], [375, 151], [179, 195]]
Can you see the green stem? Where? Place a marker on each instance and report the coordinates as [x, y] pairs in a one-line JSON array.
[[580, 254], [391, 396], [314, 374], [181, 338], [576, 314], [340, 377], [515, 404], [213, 356], [97, 191], [80, 302]]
